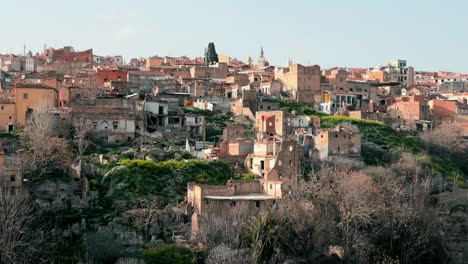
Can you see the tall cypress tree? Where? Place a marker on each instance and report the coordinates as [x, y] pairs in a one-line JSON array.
[[211, 54]]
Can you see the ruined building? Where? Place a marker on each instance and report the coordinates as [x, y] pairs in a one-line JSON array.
[[113, 120], [10, 174], [303, 82], [277, 162], [337, 142], [225, 201], [163, 121]]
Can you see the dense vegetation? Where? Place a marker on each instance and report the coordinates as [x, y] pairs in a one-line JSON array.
[[381, 143], [169, 255], [379, 140], [167, 180], [289, 106], [215, 122]]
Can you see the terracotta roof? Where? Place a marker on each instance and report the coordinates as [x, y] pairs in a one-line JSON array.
[[429, 84], [4, 100], [33, 85], [444, 108], [146, 73]]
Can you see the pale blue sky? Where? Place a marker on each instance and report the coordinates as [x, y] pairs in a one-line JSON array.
[[429, 34]]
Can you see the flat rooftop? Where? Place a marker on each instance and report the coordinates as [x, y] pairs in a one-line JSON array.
[[247, 196]]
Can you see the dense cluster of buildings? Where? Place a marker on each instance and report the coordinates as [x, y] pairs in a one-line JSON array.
[[147, 98]]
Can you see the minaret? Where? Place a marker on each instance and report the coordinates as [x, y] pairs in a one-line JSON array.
[[249, 61], [261, 60]]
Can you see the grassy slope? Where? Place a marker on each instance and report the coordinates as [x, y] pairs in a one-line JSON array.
[[168, 179], [382, 139], [377, 132], [391, 141]]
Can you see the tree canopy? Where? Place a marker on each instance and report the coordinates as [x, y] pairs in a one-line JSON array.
[[211, 54]]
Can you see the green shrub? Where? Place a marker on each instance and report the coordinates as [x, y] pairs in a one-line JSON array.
[[299, 108], [167, 179], [168, 255], [249, 177], [380, 141], [93, 184], [197, 111], [128, 155], [184, 155]]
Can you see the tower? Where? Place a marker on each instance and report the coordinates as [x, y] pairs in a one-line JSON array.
[[262, 62], [249, 61]]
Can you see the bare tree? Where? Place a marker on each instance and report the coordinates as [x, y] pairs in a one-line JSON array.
[[45, 152], [447, 143], [146, 219], [223, 254], [354, 198], [23, 237], [446, 138], [215, 229], [90, 90], [81, 136]]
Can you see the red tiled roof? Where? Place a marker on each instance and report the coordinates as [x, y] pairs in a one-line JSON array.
[[149, 73], [352, 78], [444, 108], [35, 85], [429, 84]]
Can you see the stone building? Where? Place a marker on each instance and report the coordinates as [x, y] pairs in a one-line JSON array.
[[235, 141], [33, 97], [12, 63], [408, 110], [218, 71], [270, 123], [337, 77], [336, 142], [240, 79], [138, 76], [202, 88], [394, 71], [10, 174], [67, 60], [442, 111], [269, 88], [344, 142], [7, 115], [303, 82], [225, 201], [105, 77], [35, 63], [113, 120], [163, 121], [248, 104], [277, 162], [154, 62]]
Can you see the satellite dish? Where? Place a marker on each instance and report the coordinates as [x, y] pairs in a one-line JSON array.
[[23, 77]]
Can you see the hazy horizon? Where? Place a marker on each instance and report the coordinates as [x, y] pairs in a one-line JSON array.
[[430, 35]]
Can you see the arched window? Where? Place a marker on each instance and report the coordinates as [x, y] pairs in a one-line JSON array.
[[104, 125]]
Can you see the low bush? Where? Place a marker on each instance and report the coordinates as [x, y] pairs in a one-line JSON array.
[[168, 255], [168, 179]]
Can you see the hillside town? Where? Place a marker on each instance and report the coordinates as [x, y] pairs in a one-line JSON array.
[[204, 157]]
